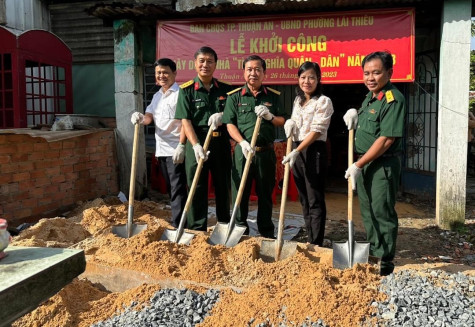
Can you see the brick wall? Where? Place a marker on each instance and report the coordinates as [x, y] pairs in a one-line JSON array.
[[40, 178]]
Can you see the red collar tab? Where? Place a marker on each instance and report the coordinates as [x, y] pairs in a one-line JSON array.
[[265, 89], [380, 95], [197, 86], [216, 83], [243, 92]]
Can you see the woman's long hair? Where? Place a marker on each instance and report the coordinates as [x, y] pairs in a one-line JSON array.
[[318, 91]]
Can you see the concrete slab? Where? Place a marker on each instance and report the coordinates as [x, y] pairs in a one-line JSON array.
[[31, 275]]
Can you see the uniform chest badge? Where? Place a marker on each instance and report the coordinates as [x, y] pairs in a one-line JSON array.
[[372, 111]]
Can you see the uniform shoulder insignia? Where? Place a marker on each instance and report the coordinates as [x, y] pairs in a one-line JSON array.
[[389, 96], [233, 91], [227, 83], [272, 90], [186, 84]]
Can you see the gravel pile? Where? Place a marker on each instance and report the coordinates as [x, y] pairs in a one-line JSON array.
[[427, 298], [169, 308], [415, 298]]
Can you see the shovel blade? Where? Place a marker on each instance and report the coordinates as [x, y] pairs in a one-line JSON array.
[[267, 251], [171, 235], [121, 230], [344, 258], [218, 236]]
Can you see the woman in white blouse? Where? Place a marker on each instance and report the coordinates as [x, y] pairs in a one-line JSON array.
[[308, 128]]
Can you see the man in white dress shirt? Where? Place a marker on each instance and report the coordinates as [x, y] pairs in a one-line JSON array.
[[169, 136]]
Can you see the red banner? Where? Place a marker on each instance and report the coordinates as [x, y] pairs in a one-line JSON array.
[[338, 42]]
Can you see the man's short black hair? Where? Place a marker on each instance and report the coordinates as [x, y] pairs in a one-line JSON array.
[[166, 62], [252, 58], [206, 50], [385, 56]]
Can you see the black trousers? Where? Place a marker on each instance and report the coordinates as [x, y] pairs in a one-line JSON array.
[[176, 186], [309, 173]]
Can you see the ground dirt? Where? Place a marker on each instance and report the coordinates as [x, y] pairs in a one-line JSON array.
[[303, 285]]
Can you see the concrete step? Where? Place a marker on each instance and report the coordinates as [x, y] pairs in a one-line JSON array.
[[31, 275]]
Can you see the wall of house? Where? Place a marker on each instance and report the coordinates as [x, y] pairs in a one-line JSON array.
[[42, 179]]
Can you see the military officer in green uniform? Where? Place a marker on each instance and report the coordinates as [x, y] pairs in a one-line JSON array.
[[243, 106], [379, 125], [200, 106]]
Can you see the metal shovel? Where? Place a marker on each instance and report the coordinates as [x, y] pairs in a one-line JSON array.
[[279, 249], [126, 231], [346, 254], [178, 235], [229, 234]]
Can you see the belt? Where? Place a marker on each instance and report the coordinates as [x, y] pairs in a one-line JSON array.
[[265, 147]]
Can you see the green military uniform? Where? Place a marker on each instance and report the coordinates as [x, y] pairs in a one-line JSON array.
[[382, 115], [239, 111], [196, 104]]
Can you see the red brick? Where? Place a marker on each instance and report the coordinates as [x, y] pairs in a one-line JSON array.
[[19, 157], [66, 169], [70, 161], [9, 168], [42, 181], [35, 156], [52, 154], [8, 148], [51, 189], [83, 141], [71, 176], [5, 178], [53, 171], [36, 192], [26, 147], [18, 177], [93, 142], [26, 185], [80, 167], [56, 145], [26, 166], [69, 144], [79, 151], [66, 153], [58, 179], [92, 149], [22, 213], [3, 139], [40, 147], [66, 186], [29, 203], [5, 159], [37, 173]]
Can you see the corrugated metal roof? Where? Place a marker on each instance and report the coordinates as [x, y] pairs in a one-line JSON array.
[[151, 9]]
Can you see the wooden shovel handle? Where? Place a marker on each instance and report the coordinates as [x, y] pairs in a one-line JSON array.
[[133, 165], [283, 200], [351, 136], [192, 190], [248, 162]]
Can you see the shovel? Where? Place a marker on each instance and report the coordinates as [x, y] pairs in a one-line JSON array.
[[346, 254], [279, 249], [177, 235], [126, 231], [228, 234]]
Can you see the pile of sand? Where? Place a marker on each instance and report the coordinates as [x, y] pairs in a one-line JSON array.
[[303, 285]]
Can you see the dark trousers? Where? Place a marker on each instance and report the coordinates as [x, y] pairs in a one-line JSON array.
[[309, 173], [219, 164], [377, 188], [175, 178], [262, 171]]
